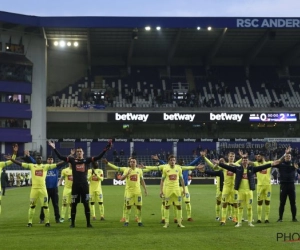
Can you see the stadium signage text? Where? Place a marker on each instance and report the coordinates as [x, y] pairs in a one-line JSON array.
[[268, 23], [208, 140], [179, 117], [225, 117], [222, 140], [87, 140], [131, 117], [118, 182]]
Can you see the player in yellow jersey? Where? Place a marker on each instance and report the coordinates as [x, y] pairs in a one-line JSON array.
[[4, 164], [121, 170], [264, 187], [187, 197], [245, 184], [134, 180], [38, 189], [229, 195], [66, 175], [170, 189], [95, 177]]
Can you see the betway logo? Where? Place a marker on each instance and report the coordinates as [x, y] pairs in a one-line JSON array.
[[119, 182], [226, 117], [179, 117], [131, 117]]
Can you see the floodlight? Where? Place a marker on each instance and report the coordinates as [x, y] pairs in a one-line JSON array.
[[62, 43], [148, 28]]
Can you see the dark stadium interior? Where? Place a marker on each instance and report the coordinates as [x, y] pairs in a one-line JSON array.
[[120, 68]]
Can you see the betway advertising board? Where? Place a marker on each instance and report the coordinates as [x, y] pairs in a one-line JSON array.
[[186, 117]]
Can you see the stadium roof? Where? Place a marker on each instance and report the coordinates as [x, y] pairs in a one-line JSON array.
[[245, 39]]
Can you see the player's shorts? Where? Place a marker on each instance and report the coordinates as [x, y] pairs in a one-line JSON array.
[[133, 199], [186, 197], [80, 193], [173, 197], [66, 196], [229, 195], [39, 194], [218, 194], [96, 196], [264, 192], [245, 198]]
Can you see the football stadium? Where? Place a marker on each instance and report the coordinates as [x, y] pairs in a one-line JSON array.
[[173, 132]]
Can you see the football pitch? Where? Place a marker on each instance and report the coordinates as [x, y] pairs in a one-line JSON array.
[[203, 233]]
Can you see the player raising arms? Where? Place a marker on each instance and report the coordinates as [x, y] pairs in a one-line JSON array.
[[264, 187], [170, 189], [80, 187], [134, 180], [122, 169], [38, 189], [218, 172], [187, 196], [245, 184], [229, 195], [4, 164]]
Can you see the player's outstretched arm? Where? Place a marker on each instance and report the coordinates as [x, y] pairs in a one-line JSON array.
[[52, 145], [10, 158], [107, 147]]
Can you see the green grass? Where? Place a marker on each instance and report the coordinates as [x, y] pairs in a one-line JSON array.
[[203, 233]]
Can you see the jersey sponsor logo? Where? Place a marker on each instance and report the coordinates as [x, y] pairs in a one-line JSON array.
[[245, 176], [133, 177], [225, 117], [229, 173], [173, 177], [80, 167], [131, 117], [263, 171], [39, 172], [179, 117]]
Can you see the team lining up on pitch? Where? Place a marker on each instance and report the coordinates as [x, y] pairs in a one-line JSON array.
[[235, 185]]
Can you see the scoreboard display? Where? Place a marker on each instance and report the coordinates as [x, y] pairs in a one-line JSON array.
[[273, 117]]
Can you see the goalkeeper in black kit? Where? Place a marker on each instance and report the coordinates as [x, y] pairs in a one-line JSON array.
[[80, 187]]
